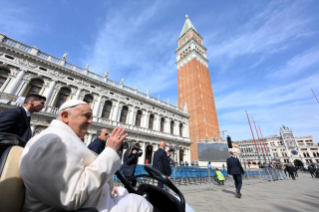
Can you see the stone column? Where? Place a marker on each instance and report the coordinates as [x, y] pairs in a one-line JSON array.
[[145, 119], [97, 108], [77, 95], [22, 88], [48, 92], [167, 124], [178, 158], [5, 84], [54, 96], [33, 129], [155, 148], [89, 139], [116, 111], [14, 83], [144, 153], [132, 116], [157, 122]]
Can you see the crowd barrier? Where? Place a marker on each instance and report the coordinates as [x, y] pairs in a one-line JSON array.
[[190, 177]]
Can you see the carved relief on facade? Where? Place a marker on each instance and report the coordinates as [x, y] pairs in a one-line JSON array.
[[32, 65], [23, 62], [13, 72]]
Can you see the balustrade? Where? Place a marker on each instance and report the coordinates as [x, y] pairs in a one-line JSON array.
[[55, 60]]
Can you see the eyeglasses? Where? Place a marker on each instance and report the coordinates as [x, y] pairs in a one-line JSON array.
[[106, 134]]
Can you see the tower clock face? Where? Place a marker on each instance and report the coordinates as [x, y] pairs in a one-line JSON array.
[[294, 152]]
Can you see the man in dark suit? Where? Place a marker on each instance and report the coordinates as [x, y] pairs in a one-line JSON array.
[[161, 162], [17, 120], [98, 145], [234, 168], [130, 162]]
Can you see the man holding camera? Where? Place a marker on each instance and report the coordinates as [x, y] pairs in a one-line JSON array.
[[130, 162]]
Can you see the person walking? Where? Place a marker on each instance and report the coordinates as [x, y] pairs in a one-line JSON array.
[[271, 171], [161, 163], [129, 163], [290, 170], [295, 171], [279, 170], [311, 170], [235, 169], [209, 166], [267, 171], [285, 169]]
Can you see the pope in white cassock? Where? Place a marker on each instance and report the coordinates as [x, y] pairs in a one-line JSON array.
[[61, 173]]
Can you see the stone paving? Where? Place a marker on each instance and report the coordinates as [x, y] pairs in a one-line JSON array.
[[285, 195]]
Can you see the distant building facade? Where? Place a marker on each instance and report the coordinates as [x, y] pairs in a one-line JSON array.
[[25, 70], [285, 148]]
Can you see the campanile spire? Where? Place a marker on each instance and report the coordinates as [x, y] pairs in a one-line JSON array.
[[194, 86]]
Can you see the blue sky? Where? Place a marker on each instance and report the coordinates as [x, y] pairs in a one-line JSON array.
[[264, 55]]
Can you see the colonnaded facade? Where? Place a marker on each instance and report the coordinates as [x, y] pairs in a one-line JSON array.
[[25, 70], [285, 148]]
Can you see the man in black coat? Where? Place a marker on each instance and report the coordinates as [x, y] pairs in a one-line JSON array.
[[161, 162], [311, 170], [130, 161], [98, 145], [234, 168], [17, 120]]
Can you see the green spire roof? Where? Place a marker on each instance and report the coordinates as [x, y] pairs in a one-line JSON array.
[[188, 24]]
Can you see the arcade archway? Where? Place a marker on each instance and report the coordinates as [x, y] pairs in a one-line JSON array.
[[181, 155], [298, 162], [148, 154]]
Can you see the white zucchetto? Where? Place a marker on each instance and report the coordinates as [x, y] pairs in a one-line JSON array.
[[71, 103]]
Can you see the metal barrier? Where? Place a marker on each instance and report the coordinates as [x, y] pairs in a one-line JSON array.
[[188, 178]]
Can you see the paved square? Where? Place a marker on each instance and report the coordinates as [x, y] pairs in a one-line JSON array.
[[285, 195]]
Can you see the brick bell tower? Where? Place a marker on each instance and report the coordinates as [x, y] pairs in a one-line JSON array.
[[194, 87]]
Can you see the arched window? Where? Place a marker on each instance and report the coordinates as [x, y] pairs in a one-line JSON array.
[[138, 118], [63, 96], [107, 109], [34, 87], [172, 127], [124, 114], [150, 122], [3, 76], [162, 124], [88, 99], [181, 129]]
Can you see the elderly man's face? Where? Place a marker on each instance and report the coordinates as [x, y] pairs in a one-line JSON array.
[[104, 135], [79, 119]]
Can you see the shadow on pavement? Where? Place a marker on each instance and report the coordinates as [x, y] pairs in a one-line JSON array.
[[230, 192]]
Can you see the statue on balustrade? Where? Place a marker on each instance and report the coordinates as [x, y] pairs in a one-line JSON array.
[[64, 56]]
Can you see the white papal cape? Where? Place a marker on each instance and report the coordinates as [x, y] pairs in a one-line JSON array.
[[60, 172]]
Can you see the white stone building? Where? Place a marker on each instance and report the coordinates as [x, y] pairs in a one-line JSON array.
[[25, 70], [286, 148]]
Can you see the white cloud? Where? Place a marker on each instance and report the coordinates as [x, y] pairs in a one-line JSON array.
[[298, 64], [140, 58], [267, 96], [301, 116], [268, 32], [14, 20]]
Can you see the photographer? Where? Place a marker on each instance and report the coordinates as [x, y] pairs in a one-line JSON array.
[[130, 162]]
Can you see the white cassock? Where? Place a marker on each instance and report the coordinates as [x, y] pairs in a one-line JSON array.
[[60, 172]]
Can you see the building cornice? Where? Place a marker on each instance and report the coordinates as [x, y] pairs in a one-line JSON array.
[[121, 90]]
